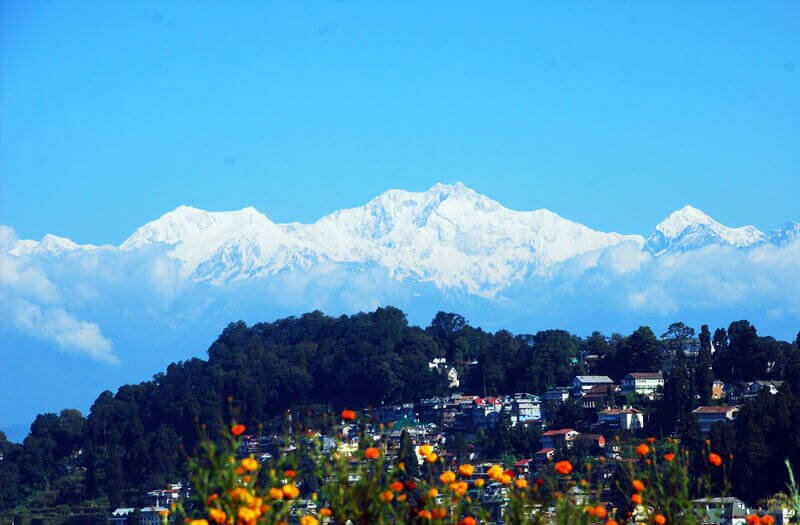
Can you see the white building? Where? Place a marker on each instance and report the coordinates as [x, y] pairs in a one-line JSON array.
[[625, 418], [582, 384], [642, 383], [523, 407]]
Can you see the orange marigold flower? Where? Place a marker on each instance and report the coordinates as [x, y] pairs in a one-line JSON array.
[[290, 474], [198, 522], [250, 464], [638, 486], [589, 510], [247, 479], [637, 499], [275, 493], [424, 515], [397, 486], [439, 513], [643, 450], [611, 522], [246, 516], [372, 453], [239, 471], [669, 456], [564, 467], [387, 496], [479, 482], [432, 493], [325, 512], [290, 491], [402, 497], [217, 516], [424, 450], [659, 519], [348, 415], [238, 430], [468, 520], [309, 520], [521, 483], [715, 459], [495, 472], [466, 470], [600, 511], [163, 513], [211, 499], [447, 477], [460, 488], [432, 457], [651, 440], [767, 520], [752, 519]]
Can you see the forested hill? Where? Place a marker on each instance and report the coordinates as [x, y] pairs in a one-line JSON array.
[[131, 440]]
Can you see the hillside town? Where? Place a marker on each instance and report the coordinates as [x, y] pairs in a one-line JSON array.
[[613, 415]]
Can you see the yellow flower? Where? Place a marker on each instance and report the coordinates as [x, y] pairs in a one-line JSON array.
[[250, 464], [460, 488], [290, 491], [217, 516], [466, 470], [275, 493], [431, 458], [424, 450], [495, 472], [433, 493], [521, 483], [479, 482], [447, 477], [198, 522], [308, 520], [246, 516]]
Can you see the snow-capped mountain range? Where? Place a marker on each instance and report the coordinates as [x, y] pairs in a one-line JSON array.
[[449, 235]]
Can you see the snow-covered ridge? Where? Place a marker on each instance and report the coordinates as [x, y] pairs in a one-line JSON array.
[[690, 228], [51, 244], [449, 235]]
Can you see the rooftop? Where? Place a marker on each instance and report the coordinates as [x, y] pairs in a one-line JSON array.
[[646, 375], [721, 409]]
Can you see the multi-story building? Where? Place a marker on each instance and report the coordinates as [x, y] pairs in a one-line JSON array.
[[523, 407], [625, 418], [486, 411], [642, 383]]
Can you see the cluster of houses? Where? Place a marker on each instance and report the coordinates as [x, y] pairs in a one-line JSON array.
[[435, 420], [155, 502]]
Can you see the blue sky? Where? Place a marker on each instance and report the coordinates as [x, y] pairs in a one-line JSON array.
[[611, 114]]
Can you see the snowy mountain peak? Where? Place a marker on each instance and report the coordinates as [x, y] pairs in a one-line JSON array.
[[681, 219], [186, 223], [690, 228], [52, 244], [449, 235]]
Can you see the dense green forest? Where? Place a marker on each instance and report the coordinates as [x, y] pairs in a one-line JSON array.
[[135, 439]]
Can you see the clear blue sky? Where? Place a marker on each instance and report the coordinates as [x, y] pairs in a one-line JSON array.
[[612, 114]]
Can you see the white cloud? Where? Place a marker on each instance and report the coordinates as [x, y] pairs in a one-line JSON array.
[[56, 325], [33, 304]]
